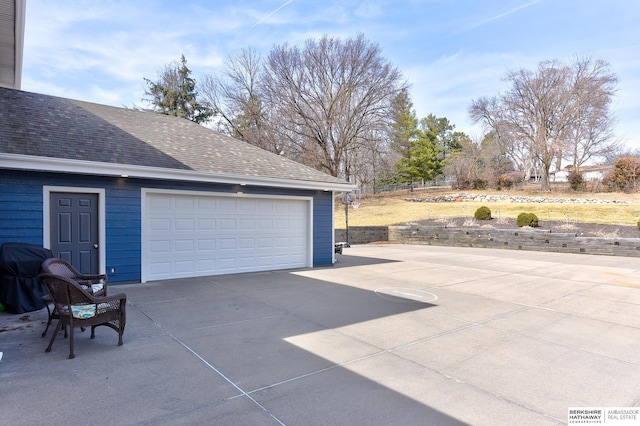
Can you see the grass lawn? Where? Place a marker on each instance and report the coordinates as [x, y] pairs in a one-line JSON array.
[[393, 208]]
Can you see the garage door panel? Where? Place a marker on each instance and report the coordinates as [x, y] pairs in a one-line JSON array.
[[281, 242], [184, 224], [246, 243], [245, 206], [281, 224], [227, 244], [159, 268], [297, 225], [206, 204], [206, 224], [194, 235], [297, 259], [297, 240], [246, 224], [159, 224], [227, 224], [226, 204], [264, 206], [282, 208], [159, 203], [248, 262], [206, 245], [160, 246], [281, 259], [184, 266], [298, 209], [264, 243], [184, 203], [227, 263], [207, 265], [264, 225], [184, 246]]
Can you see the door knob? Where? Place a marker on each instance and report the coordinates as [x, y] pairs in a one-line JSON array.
[[95, 245]]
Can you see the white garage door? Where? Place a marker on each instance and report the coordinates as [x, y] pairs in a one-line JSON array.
[[192, 235]]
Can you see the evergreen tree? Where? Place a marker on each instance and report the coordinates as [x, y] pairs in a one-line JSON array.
[[175, 93], [441, 132], [403, 129], [424, 161]]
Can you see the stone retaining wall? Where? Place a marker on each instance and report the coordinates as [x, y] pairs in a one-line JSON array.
[[492, 198], [521, 239], [363, 234]]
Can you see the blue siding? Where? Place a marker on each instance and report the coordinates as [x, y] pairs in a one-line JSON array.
[[123, 217], [322, 225], [20, 209], [21, 213]]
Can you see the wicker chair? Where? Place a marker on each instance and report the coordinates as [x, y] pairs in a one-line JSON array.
[[95, 284], [76, 307]]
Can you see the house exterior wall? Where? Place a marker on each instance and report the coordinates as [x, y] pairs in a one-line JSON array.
[[589, 174], [596, 175], [21, 213]]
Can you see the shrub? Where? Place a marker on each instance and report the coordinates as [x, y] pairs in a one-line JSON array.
[[576, 180], [461, 183], [527, 219], [483, 213], [625, 174], [479, 184], [505, 181]]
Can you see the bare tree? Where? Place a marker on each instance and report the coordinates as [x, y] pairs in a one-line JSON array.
[[621, 152], [478, 164], [464, 165], [593, 90], [489, 111], [236, 97], [537, 110], [373, 159], [552, 112], [328, 96], [494, 161]]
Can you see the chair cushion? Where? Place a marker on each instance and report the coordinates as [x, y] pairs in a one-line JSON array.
[[80, 311], [92, 287]]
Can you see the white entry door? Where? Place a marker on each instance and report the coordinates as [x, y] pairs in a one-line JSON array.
[[190, 234]]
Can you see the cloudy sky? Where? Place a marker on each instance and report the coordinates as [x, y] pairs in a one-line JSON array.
[[451, 51]]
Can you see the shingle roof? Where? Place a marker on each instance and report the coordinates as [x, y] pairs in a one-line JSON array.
[[47, 126]]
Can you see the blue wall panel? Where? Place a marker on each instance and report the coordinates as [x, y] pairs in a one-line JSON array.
[[322, 225], [21, 213], [20, 209]]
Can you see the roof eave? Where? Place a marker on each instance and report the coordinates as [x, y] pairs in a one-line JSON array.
[[21, 6], [49, 164]]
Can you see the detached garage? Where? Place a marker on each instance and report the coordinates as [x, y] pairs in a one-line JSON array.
[[142, 196]]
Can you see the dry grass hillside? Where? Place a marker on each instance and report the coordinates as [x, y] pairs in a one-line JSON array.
[[395, 208]]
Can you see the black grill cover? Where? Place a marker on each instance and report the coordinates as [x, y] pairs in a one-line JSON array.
[[19, 267]]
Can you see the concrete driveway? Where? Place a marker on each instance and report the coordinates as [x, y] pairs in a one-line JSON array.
[[392, 334]]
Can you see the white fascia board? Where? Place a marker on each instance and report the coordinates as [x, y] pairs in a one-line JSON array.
[[20, 12], [49, 164]]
